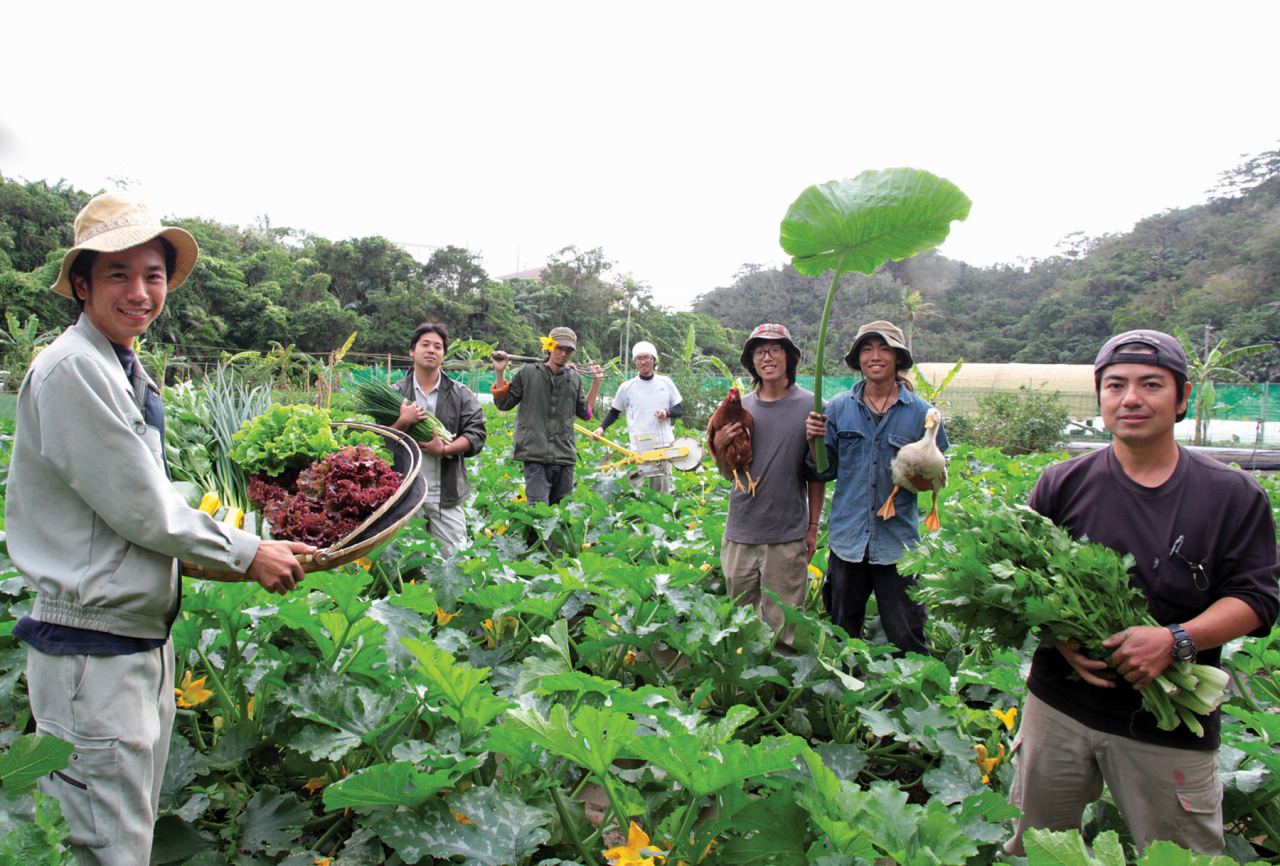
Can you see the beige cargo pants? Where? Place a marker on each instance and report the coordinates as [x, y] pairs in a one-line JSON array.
[[118, 712]]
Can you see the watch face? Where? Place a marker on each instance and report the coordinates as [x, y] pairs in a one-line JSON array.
[[1184, 650]]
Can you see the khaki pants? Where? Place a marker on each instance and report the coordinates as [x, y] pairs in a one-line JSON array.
[[1060, 766], [749, 569], [446, 525], [118, 712]]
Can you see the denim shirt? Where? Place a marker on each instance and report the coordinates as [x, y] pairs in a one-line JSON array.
[[861, 455]]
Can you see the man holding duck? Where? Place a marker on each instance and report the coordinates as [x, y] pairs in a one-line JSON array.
[[864, 430]]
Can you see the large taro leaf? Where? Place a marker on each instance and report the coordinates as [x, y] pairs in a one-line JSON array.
[[30, 757], [271, 821], [397, 784], [483, 825], [858, 224]]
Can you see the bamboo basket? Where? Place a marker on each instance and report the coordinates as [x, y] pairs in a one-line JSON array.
[[377, 528]]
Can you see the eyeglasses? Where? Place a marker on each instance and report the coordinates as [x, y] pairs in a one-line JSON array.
[[1198, 574], [770, 351]]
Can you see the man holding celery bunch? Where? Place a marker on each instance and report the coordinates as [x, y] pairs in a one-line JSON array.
[[427, 391], [1204, 542]]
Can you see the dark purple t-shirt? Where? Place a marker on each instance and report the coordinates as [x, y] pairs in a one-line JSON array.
[[1224, 520]]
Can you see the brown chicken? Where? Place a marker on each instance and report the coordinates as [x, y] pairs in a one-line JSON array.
[[737, 453]]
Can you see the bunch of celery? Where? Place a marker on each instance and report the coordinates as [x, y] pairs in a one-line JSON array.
[[1007, 571]]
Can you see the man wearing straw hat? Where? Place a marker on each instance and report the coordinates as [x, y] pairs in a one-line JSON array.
[[549, 396], [97, 531]]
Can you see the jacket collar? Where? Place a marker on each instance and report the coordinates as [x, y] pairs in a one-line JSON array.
[[89, 331]]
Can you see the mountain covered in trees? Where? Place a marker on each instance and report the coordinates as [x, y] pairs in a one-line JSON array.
[[1213, 268]]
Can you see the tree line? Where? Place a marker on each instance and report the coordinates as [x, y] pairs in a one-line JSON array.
[[1210, 271]]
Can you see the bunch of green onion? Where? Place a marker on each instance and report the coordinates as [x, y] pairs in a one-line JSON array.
[[381, 402]]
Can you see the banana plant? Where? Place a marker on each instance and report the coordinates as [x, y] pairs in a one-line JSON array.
[[858, 224], [1202, 371]]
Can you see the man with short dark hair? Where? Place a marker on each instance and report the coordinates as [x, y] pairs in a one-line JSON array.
[[1204, 542], [427, 391], [97, 531], [549, 396], [863, 429], [772, 530]]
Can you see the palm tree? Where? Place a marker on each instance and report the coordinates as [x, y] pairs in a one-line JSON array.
[[914, 307], [1201, 373]]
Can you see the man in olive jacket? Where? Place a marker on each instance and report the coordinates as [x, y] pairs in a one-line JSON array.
[[549, 394], [427, 390]]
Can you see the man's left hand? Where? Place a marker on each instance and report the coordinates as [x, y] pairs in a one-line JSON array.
[[435, 447], [1142, 652], [811, 542]]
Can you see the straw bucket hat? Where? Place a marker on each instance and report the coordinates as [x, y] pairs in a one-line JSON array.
[[112, 222]]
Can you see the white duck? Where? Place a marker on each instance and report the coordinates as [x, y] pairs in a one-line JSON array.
[[918, 467]]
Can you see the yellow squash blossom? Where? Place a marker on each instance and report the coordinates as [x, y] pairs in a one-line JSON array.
[[986, 764], [636, 852], [323, 861], [549, 343], [314, 784], [248, 710], [490, 633], [191, 693], [461, 818], [443, 617], [1007, 716]]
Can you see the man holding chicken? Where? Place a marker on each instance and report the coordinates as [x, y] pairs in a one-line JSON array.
[[772, 530], [1204, 542]]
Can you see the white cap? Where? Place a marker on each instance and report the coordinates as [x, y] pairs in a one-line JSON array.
[[644, 347]]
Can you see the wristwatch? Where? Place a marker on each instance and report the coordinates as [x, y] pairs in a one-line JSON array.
[[1184, 648]]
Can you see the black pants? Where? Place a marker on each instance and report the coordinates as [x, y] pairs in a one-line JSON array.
[[848, 587]]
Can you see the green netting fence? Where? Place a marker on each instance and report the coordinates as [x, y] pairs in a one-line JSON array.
[[1244, 414]]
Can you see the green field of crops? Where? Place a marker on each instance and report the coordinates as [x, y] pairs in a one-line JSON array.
[[575, 683]]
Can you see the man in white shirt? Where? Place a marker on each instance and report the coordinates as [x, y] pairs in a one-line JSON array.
[[650, 402]]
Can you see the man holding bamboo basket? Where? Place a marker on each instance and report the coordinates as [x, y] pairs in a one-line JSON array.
[[97, 530], [1204, 548]]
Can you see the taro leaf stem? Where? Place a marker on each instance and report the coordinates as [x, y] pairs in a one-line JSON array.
[[820, 448]]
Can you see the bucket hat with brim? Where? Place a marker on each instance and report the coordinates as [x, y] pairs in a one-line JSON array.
[[112, 222], [891, 334], [771, 332]]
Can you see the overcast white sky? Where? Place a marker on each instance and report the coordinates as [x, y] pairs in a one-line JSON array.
[[673, 135]]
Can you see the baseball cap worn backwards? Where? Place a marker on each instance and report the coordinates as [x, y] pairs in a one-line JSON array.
[[892, 336], [1165, 352], [110, 223]]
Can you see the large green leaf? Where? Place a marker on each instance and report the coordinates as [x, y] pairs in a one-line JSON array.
[[30, 757], [858, 224], [592, 739], [469, 699], [397, 784], [482, 825], [271, 821], [705, 768]]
